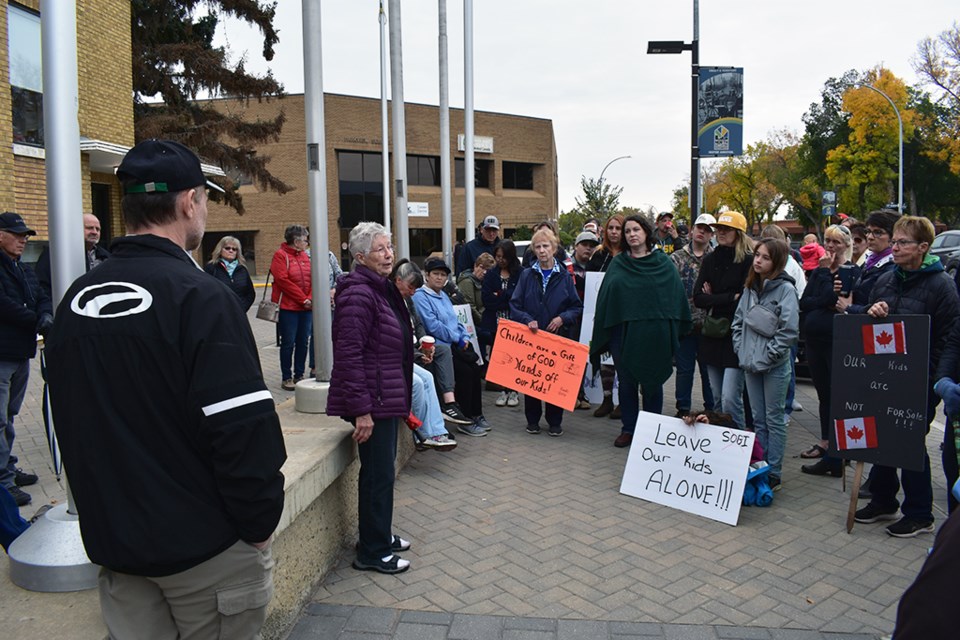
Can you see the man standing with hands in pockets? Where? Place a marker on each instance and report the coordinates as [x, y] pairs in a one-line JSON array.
[[169, 437]]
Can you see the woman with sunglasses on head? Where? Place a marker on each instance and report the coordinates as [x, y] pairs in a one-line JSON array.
[[600, 261], [227, 265]]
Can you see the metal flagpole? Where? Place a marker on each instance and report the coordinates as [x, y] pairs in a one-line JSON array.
[[49, 556], [384, 121], [470, 222], [446, 215], [307, 395], [402, 236]]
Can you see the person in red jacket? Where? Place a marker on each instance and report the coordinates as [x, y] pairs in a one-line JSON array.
[[293, 290]]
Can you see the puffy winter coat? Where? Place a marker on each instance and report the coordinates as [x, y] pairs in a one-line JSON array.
[[291, 278], [372, 349], [756, 352]]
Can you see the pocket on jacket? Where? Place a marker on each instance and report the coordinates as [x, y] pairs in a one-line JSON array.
[[762, 321]]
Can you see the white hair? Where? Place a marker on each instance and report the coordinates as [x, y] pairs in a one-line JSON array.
[[363, 235]]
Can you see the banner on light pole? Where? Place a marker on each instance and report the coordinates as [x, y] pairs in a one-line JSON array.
[[720, 111]]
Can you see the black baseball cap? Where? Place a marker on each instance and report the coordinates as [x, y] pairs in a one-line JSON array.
[[435, 264], [161, 166], [13, 223]]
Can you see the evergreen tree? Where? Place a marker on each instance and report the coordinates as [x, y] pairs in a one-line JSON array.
[[175, 62]]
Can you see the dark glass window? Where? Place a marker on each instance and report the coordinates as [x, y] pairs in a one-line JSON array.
[[26, 75], [517, 175], [481, 172], [361, 187], [423, 171]]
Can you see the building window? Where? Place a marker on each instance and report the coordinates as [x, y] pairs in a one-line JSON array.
[[423, 171], [481, 172], [26, 75], [361, 187], [518, 175]]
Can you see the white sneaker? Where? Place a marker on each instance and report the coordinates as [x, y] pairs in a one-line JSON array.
[[502, 399], [797, 406], [440, 443], [513, 399]]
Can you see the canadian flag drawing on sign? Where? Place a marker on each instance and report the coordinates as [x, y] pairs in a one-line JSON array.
[[884, 338], [856, 433]]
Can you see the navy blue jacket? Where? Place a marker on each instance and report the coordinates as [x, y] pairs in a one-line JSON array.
[[495, 299], [22, 302], [240, 283], [530, 302]]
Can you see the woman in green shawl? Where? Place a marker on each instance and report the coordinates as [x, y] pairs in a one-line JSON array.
[[641, 313]]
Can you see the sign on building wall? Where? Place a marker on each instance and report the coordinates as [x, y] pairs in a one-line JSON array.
[[720, 111], [481, 144], [418, 209]]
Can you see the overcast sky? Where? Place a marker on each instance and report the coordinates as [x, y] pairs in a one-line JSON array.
[[584, 66]]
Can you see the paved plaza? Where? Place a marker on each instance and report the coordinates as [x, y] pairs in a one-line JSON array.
[[518, 536]]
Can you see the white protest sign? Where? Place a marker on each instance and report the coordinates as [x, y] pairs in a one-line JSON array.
[[700, 469], [465, 317], [592, 386]]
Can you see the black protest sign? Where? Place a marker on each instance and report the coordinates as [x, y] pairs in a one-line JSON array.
[[878, 399]]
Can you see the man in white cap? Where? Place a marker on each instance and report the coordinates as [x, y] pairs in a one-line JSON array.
[[688, 260], [486, 242]]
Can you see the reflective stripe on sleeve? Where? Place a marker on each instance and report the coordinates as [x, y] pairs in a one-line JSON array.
[[238, 401]]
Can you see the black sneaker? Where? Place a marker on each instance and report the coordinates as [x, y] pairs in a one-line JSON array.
[[556, 431], [21, 497], [774, 482], [533, 429], [910, 528], [873, 513], [24, 479], [452, 413], [391, 564]]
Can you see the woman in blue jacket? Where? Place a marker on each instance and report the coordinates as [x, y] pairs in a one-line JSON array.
[[545, 298]]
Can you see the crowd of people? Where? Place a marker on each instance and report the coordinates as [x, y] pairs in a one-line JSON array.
[[710, 296]]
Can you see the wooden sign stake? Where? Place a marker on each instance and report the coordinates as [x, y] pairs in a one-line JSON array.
[[854, 493]]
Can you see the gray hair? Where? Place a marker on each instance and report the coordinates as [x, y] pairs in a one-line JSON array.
[[293, 232], [363, 235], [408, 272]]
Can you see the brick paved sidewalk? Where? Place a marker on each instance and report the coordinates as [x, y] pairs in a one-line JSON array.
[[520, 526]]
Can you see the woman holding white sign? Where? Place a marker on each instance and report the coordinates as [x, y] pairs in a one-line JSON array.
[[765, 326], [641, 313], [545, 298]]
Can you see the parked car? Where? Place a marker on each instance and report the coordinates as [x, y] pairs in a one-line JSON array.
[[951, 263], [946, 243]]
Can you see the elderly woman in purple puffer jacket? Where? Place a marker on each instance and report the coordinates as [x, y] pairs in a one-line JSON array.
[[370, 387]]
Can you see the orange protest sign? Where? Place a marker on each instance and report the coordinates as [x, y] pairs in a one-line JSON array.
[[542, 365]]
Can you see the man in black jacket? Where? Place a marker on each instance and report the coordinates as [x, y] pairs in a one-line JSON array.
[[170, 437], [94, 253], [24, 311]]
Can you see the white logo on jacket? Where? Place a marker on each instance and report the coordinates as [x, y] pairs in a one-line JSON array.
[[93, 305]]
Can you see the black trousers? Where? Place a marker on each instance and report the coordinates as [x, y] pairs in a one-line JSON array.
[[533, 409], [375, 504], [819, 355], [468, 377]]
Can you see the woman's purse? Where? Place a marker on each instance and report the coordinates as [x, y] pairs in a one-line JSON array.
[[268, 309], [714, 327]]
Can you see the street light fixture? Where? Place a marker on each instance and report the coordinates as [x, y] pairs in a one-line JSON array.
[[679, 46], [900, 151], [600, 181]]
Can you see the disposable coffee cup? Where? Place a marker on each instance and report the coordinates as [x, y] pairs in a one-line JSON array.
[[426, 344]]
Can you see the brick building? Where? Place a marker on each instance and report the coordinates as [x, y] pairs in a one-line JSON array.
[[105, 111], [515, 175]]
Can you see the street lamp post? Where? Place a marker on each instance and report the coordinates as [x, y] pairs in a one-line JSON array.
[[900, 150], [600, 181], [679, 46]]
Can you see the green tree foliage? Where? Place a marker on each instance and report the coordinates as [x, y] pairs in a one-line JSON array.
[[175, 62], [599, 199], [938, 63], [867, 164]]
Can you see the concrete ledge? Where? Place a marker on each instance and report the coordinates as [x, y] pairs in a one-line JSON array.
[[319, 520]]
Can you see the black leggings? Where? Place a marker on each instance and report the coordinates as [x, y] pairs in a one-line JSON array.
[[468, 376]]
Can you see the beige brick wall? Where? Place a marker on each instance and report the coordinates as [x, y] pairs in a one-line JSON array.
[[353, 124], [105, 106]]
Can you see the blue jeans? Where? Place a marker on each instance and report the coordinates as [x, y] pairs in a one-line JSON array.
[[730, 383], [13, 386], [425, 404], [295, 329], [630, 389], [767, 392], [686, 361]]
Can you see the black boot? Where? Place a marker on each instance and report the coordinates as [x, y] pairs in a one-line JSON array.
[[823, 467]]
